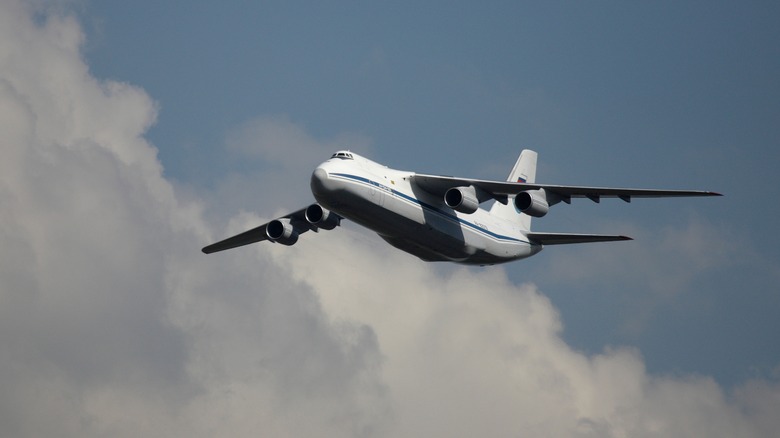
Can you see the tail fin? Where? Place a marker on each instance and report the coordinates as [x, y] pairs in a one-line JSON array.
[[524, 171]]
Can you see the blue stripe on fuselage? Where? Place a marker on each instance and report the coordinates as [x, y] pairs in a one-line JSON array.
[[427, 206]]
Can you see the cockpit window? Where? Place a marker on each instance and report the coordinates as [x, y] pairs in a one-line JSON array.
[[342, 155]]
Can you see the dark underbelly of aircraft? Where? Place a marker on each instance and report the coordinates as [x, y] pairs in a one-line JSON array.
[[422, 240]]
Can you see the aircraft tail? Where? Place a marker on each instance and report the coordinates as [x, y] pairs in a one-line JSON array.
[[524, 171]]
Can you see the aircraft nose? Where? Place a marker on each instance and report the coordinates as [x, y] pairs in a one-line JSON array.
[[319, 181]]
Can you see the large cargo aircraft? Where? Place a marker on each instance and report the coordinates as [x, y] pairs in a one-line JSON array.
[[438, 218]]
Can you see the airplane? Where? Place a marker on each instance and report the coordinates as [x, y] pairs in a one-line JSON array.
[[438, 218]]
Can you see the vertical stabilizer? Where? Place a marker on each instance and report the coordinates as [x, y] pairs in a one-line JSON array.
[[524, 171]]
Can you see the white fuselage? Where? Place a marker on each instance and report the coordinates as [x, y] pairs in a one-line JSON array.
[[411, 219]]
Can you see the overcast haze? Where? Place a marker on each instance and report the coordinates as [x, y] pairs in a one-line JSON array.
[[134, 133]]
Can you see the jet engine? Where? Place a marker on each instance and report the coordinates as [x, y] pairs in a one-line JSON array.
[[462, 199], [321, 217], [533, 202], [281, 231]]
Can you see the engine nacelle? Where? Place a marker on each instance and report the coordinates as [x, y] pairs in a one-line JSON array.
[[533, 202], [321, 217], [462, 199], [281, 231]]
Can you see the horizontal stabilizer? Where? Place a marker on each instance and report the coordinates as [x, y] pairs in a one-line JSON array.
[[567, 238]]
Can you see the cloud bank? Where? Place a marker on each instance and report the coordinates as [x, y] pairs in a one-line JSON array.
[[112, 323]]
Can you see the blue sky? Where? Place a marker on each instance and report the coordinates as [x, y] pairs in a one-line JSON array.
[[661, 94], [576, 79], [134, 133]]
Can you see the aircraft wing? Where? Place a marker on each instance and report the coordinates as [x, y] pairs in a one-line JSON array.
[[566, 238], [499, 190], [258, 234]]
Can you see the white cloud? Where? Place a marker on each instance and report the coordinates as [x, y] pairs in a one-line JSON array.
[[113, 323]]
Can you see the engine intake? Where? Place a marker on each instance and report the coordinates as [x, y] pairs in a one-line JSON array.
[[281, 231], [321, 217], [462, 199], [533, 202]]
